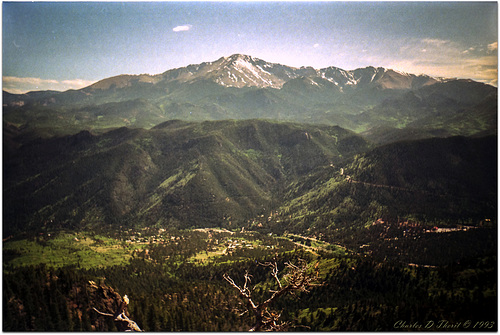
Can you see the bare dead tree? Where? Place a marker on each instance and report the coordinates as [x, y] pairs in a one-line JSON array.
[[297, 278], [111, 300]]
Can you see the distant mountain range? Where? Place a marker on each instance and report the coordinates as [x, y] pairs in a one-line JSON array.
[[245, 71], [228, 142], [377, 102]]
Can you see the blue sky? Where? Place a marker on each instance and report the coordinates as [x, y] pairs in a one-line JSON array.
[[54, 45]]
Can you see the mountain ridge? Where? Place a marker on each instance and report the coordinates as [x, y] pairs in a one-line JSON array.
[[277, 74], [260, 73], [176, 174], [244, 87], [433, 181]]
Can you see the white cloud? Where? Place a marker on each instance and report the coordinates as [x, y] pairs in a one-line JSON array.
[[471, 49], [316, 45], [434, 42], [33, 81], [493, 46], [444, 58], [20, 85], [185, 27], [76, 83]]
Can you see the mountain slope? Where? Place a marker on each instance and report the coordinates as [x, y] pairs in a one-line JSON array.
[[175, 174], [446, 181]]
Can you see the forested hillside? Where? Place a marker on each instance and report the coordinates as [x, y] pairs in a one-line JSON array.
[[177, 174], [401, 188], [409, 241], [357, 294]]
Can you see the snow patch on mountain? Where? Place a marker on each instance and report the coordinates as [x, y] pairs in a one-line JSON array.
[[245, 71]]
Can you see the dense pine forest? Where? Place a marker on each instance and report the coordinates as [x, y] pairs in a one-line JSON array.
[[170, 289]]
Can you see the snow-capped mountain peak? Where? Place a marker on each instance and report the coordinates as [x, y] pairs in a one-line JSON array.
[[240, 70], [243, 70]]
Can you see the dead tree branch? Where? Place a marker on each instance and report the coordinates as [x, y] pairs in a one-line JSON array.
[[298, 278], [110, 298]]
